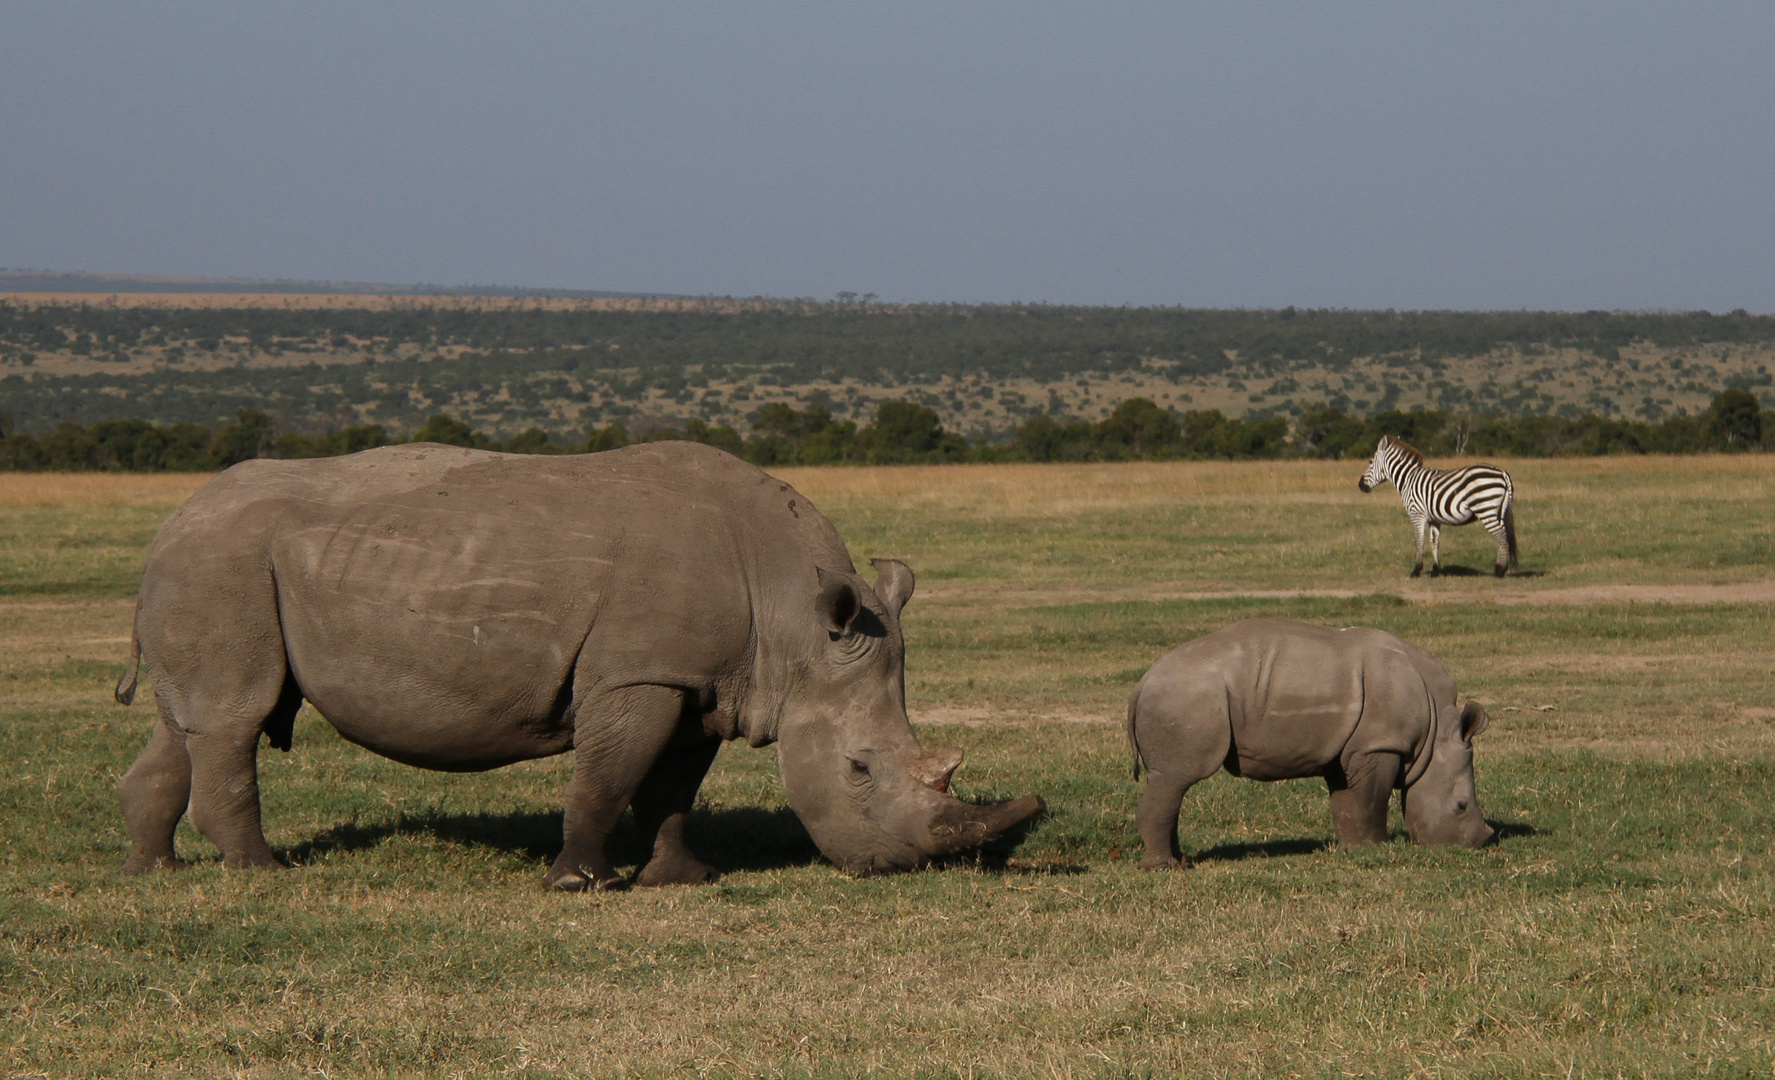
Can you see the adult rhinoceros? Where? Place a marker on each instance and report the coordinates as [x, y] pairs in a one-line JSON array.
[[461, 610]]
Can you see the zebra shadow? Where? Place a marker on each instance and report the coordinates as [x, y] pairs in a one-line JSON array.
[[1458, 570]]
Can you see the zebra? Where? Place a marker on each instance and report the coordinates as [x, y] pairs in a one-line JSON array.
[[1438, 497]]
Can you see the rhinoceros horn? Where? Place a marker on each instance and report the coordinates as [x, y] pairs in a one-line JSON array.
[[934, 769]]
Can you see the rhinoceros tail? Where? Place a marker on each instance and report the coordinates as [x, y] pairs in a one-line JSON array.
[[1133, 747], [126, 685]]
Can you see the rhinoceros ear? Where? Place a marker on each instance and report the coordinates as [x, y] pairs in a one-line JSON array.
[[893, 583], [839, 603], [1473, 720]]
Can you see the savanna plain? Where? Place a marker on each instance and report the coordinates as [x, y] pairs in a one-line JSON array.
[[1624, 926]]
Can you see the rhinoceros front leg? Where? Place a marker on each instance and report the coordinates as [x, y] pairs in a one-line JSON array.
[[663, 804], [1360, 794], [618, 736], [154, 793]]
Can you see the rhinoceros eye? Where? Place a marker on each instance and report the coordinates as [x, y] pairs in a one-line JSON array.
[[1461, 806], [859, 770]]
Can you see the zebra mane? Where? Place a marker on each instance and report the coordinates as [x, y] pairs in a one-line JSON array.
[[1410, 450]]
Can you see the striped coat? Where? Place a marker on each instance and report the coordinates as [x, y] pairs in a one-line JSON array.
[[1437, 497]]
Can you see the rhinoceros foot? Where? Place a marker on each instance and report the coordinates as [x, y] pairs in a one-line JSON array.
[[147, 864], [574, 881], [682, 870], [1164, 862]]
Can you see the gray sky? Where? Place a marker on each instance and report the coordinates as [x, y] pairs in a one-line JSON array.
[[1410, 155]]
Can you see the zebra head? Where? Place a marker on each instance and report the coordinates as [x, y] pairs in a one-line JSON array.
[[1380, 469]]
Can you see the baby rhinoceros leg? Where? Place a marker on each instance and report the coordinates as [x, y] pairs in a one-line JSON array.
[[1160, 806], [1361, 789], [1183, 738]]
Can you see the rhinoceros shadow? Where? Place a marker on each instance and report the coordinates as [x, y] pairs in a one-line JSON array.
[[1261, 849], [729, 838], [1510, 830], [1506, 830]]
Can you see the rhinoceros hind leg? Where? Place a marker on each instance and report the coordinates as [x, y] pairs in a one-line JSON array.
[[618, 736], [662, 805], [154, 793], [1184, 737], [225, 792], [1360, 795]]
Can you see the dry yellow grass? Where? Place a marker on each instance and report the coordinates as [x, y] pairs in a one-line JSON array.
[[83, 490], [1069, 489], [1035, 487], [962, 486]]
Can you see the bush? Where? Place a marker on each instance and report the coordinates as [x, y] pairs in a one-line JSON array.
[[906, 432]]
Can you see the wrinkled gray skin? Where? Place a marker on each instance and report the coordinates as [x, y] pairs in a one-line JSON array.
[[462, 610], [1274, 699]]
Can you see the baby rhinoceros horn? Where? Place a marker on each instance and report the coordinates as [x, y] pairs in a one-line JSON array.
[[934, 769]]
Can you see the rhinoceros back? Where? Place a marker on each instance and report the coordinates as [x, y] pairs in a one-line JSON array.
[[435, 602], [1295, 696]]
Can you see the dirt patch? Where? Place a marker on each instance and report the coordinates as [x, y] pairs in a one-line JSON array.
[[985, 717], [1636, 662], [61, 605], [1746, 592]]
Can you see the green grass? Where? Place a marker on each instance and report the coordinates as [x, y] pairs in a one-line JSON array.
[[55, 552], [1625, 925]]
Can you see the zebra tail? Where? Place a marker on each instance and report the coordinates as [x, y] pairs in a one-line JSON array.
[[1510, 532]]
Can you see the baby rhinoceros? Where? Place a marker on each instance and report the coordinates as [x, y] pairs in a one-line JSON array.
[[1275, 699]]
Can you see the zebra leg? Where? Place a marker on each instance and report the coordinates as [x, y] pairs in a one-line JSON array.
[[1502, 535], [1417, 530], [1435, 550]]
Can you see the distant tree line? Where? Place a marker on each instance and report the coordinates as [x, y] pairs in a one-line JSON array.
[[904, 432], [522, 351]]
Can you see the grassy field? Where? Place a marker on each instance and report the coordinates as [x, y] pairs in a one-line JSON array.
[[1625, 925]]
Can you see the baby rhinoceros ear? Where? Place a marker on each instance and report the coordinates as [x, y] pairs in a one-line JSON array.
[[1473, 720], [893, 583]]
